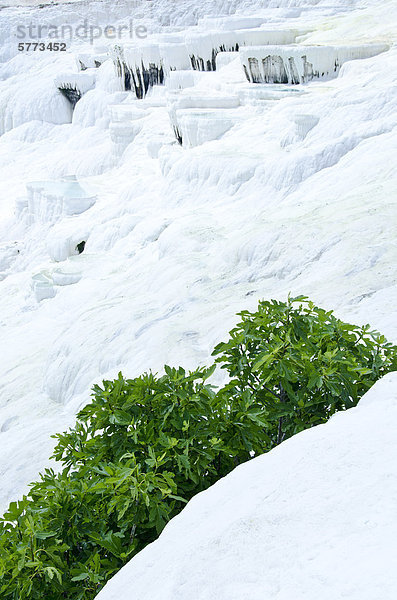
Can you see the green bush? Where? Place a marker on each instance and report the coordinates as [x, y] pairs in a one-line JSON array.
[[301, 364], [143, 447], [138, 452]]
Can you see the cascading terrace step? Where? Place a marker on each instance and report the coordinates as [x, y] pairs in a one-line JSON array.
[[74, 85], [197, 117], [141, 66], [50, 201], [295, 64]]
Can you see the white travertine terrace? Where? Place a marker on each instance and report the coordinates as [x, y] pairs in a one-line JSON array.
[[203, 47], [91, 60], [197, 117], [300, 64], [74, 85], [140, 66], [50, 201]]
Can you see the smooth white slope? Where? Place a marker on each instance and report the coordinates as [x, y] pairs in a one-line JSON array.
[[314, 518]]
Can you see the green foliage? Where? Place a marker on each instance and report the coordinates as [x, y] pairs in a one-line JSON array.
[[138, 452], [301, 364], [143, 447]]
